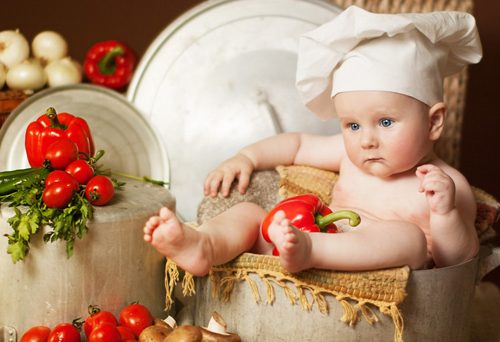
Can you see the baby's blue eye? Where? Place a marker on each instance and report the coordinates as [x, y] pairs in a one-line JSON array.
[[386, 122], [354, 126]]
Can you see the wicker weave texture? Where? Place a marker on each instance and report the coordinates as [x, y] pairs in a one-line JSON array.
[[448, 146]]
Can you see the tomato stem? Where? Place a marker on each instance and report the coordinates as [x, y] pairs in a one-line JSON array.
[[143, 178], [98, 155]]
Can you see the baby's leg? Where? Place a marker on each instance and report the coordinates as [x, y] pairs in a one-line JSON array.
[[377, 245], [217, 241]]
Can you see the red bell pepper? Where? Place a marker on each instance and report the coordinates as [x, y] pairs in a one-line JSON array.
[[308, 213], [52, 127], [110, 64]]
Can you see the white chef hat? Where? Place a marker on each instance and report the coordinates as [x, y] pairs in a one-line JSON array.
[[410, 54]]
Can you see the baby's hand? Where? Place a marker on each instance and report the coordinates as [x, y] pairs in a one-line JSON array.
[[238, 167], [438, 187]]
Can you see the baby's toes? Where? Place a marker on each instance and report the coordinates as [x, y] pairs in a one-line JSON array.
[[279, 217]]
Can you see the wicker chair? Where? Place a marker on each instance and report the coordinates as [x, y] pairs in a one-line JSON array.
[[351, 292]]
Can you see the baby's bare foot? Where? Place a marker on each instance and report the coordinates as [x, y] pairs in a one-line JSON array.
[[183, 245], [293, 245]]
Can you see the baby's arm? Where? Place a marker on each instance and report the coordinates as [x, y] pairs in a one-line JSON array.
[[282, 149], [452, 213]]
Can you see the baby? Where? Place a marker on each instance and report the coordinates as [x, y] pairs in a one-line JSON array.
[[382, 77]]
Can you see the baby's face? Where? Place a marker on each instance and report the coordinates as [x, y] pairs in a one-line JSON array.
[[384, 133]]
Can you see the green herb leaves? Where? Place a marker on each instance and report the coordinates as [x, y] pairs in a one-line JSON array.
[[31, 213]]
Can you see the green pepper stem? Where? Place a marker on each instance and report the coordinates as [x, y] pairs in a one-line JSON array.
[[54, 121], [323, 221], [107, 65]]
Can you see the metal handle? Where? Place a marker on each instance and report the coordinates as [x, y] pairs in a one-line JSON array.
[[263, 102], [8, 334], [489, 259]]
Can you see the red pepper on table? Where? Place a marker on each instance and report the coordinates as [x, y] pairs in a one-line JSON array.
[[308, 213], [52, 127], [110, 64]]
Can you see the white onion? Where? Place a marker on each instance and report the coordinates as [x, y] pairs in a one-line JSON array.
[[63, 72], [14, 48], [28, 75], [49, 46], [3, 71]]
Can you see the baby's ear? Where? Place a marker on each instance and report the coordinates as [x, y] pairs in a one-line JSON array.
[[437, 118]]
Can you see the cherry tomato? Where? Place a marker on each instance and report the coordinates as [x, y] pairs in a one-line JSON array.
[[64, 332], [96, 318], [61, 176], [99, 190], [136, 317], [36, 334], [58, 195], [61, 154], [81, 170], [126, 333], [105, 332]]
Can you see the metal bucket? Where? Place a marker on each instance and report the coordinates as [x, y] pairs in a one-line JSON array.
[[111, 266], [437, 308]]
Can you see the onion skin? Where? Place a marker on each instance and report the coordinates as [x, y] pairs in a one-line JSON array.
[[14, 48], [3, 72], [63, 72], [27, 76], [49, 46]]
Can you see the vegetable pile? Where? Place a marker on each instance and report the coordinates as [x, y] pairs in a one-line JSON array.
[[135, 323], [110, 64], [49, 64], [61, 187], [99, 326]]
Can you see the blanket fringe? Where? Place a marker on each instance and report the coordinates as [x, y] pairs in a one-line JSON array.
[[171, 278], [305, 290]]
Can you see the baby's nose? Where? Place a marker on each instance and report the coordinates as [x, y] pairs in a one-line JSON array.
[[369, 140]]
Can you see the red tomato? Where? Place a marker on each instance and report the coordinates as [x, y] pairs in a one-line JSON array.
[[61, 176], [136, 317], [126, 333], [99, 190], [61, 154], [58, 195], [105, 332], [96, 318], [81, 170], [64, 332], [36, 334]]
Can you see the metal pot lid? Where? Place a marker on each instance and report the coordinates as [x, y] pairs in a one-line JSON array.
[[131, 145], [222, 76]]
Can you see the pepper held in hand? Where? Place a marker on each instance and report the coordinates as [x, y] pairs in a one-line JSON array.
[[110, 64], [307, 213], [52, 127]]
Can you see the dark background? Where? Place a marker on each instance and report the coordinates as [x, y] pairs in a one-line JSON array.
[[137, 23]]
